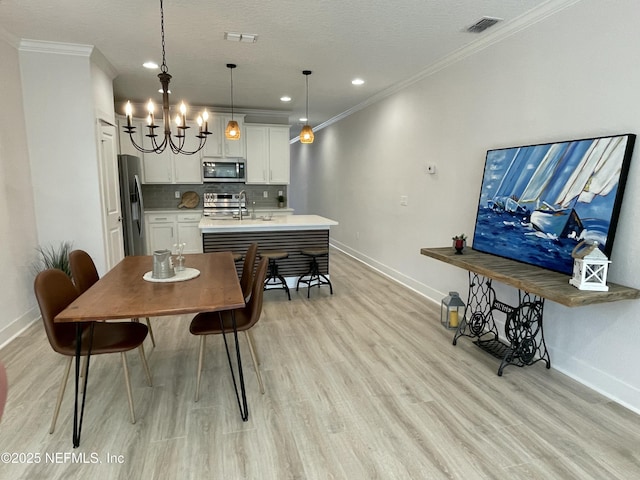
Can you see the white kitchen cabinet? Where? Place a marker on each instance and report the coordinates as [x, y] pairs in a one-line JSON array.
[[217, 144], [161, 231], [158, 167], [268, 157], [189, 232], [166, 229], [214, 145], [167, 167]]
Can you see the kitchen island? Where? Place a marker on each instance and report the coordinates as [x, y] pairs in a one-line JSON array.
[[291, 233]]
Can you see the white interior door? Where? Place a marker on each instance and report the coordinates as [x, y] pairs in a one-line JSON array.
[[112, 214]]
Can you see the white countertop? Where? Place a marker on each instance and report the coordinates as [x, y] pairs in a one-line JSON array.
[[284, 222]]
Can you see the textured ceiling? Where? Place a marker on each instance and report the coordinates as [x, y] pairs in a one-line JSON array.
[[384, 42]]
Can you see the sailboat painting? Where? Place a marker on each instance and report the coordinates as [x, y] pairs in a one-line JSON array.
[[538, 201]]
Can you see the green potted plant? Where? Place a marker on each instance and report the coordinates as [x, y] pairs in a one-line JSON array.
[[459, 242], [281, 201], [53, 257]]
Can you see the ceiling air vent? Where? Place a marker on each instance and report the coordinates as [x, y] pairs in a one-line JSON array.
[[482, 24]]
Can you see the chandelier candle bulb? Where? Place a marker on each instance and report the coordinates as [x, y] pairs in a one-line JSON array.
[[128, 110]]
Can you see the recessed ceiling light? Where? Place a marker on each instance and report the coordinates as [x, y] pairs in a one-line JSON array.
[[304, 120], [285, 98], [151, 65], [357, 81]]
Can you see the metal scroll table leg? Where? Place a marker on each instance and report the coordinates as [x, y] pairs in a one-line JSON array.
[[477, 320], [242, 404], [78, 416], [523, 329], [523, 325]]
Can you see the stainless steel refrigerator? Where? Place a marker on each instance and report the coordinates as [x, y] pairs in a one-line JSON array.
[[130, 174]]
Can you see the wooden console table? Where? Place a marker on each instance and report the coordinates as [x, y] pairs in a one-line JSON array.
[[523, 325]]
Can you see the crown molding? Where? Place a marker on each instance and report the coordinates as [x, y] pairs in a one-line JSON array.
[[98, 59], [74, 49], [40, 46]]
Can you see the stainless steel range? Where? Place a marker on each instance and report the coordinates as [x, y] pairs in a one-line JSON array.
[[224, 205]]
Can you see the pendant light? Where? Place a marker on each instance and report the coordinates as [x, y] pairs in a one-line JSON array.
[[306, 134], [232, 132], [181, 121]]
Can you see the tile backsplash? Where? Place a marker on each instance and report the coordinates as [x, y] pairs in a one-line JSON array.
[[163, 196]]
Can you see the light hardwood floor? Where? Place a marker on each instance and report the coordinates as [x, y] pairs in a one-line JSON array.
[[364, 384]]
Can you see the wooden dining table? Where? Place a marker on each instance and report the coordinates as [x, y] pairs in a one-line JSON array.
[[123, 293]]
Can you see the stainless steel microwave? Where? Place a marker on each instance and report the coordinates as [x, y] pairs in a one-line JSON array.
[[224, 171]]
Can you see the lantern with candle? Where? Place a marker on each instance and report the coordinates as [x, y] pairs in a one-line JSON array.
[[452, 310], [589, 267]]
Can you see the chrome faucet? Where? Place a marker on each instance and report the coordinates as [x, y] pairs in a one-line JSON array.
[[240, 195]]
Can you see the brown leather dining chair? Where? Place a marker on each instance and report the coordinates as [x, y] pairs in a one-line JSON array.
[[211, 323], [55, 291], [84, 274], [246, 279]]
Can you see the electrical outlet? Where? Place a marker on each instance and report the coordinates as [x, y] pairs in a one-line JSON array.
[[265, 194], [279, 193], [404, 200], [177, 194]]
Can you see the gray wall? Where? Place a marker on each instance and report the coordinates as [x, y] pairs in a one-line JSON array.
[[570, 75], [18, 232]]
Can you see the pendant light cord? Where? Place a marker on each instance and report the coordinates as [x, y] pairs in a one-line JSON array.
[[231, 93]]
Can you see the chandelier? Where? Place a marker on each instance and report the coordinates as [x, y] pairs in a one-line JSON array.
[[160, 145], [306, 134]]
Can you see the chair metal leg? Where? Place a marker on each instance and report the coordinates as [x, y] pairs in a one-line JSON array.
[[250, 340], [143, 358], [203, 339], [128, 385], [153, 340], [63, 385], [255, 361]]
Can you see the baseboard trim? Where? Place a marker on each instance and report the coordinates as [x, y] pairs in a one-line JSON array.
[[17, 326], [392, 274], [619, 392]]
